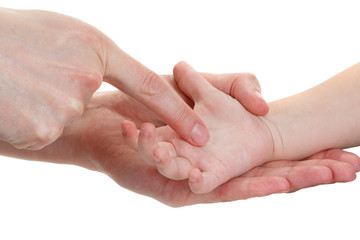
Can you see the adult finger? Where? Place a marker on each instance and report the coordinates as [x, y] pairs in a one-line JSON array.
[[339, 155], [308, 173], [298, 177], [130, 76], [244, 188]]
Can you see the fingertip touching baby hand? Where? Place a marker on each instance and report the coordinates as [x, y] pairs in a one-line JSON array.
[[239, 140]]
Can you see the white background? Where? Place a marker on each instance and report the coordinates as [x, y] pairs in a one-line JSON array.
[[289, 45]]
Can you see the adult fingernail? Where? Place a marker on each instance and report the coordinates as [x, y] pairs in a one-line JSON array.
[[199, 134]]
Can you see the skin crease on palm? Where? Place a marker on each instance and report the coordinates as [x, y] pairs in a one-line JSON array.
[[95, 141], [231, 151]]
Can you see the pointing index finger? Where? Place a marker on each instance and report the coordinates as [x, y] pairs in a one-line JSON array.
[[130, 76]]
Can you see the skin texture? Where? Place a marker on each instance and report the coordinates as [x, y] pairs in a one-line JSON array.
[[239, 140], [231, 151], [95, 141], [52, 64], [325, 116], [54, 82]]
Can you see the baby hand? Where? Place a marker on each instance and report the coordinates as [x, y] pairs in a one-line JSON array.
[[238, 142]]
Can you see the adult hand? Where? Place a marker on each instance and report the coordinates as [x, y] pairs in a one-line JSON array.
[[51, 65], [95, 141]]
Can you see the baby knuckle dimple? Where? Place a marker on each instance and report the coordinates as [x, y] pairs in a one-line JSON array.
[[151, 84]]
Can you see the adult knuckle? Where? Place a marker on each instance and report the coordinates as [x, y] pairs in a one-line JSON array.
[[68, 109], [151, 84], [38, 137], [181, 115], [35, 131], [89, 81], [44, 134], [75, 107]]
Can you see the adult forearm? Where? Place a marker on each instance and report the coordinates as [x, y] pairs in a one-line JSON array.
[[323, 117]]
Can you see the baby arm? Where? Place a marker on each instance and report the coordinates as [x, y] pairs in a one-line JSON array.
[[325, 116]]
